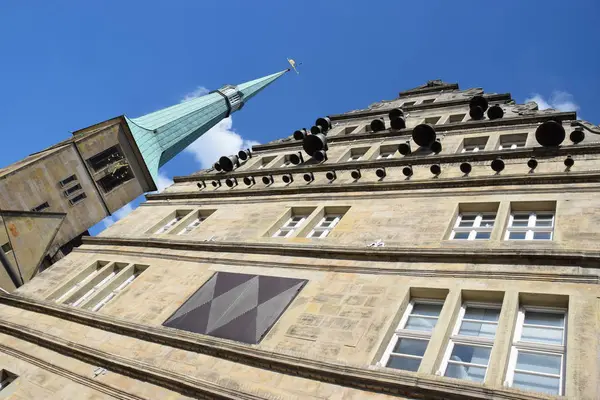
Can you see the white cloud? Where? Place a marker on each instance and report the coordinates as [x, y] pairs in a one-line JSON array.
[[163, 181], [220, 140], [199, 91], [559, 100], [117, 215]]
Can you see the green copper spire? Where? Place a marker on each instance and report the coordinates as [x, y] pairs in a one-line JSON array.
[[163, 134]]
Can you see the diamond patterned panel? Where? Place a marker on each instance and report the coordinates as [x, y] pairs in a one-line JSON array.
[[239, 307]]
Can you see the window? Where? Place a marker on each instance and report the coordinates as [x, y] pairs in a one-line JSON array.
[[530, 226], [511, 142], [243, 307], [427, 101], [192, 225], [6, 247], [325, 226], [408, 103], [264, 161], [6, 378], [77, 199], [116, 178], [116, 291], [431, 120], [97, 285], [68, 180], [385, 154], [349, 129], [290, 226], [456, 118], [538, 351], [286, 162], [468, 352], [473, 226], [106, 157], [407, 347], [474, 144], [171, 223], [357, 154], [41, 207], [72, 190]]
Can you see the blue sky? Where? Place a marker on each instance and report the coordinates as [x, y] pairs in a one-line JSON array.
[[69, 64]]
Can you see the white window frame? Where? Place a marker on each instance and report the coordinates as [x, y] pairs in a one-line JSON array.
[[168, 225], [473, 341], [540, 348], [402, 333], [192, 225], [324, 231], [530, 229], [355, 157], [290, 229], [476, 228]]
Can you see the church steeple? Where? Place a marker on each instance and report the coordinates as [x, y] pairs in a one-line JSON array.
[[163, 134]]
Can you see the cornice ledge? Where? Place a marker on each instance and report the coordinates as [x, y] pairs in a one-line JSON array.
[[429, 89], [373, 379], [434, 183], [354, 269], [412, 159], [72, 376], [132, 368], [417, 107], [398, 254], [521, 120]]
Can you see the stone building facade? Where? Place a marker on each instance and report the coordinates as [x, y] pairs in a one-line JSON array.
[[442, 245], [50, 199]]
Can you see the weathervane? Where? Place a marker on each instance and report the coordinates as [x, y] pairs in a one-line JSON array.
[[293, 64]]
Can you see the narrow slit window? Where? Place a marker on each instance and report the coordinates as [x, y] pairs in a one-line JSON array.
[[192, 225], [41, 207], [72, 190], [80, 197], [68, 180]]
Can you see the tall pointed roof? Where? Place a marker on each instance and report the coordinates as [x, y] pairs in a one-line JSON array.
[[163, 134]]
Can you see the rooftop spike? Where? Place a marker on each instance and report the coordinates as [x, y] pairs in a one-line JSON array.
[[163, 134]]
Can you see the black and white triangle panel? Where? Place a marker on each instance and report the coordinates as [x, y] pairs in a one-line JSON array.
[[239, 307]]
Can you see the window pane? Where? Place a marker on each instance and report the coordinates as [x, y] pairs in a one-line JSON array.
[[470, 354], [415, 323], [544, 318], [479, 329], [467, 220], [517, 235], [542, 235], [543, 222], [483, 235], [432, 310], [408, 364], [542, 335], [465, 372], [536, 362], [520, 220], [461, 235], [483, 314], [411, 347], [536, 383], [488, 220]]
